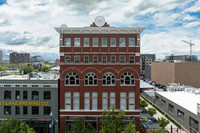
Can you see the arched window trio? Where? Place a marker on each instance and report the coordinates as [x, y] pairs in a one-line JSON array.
[[108, 79]]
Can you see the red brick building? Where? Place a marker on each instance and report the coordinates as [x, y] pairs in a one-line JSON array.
[[99, 68]]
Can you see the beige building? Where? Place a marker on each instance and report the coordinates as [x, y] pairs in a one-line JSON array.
[[183, 73]]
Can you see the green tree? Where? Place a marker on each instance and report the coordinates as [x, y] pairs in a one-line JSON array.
[[143, 104], [163, 122], [130, 128], [27, 69], [151, 111], [15, 126], [46, 68], [81, 127]]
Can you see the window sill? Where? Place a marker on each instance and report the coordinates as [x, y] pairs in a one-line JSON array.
[[77, 46]]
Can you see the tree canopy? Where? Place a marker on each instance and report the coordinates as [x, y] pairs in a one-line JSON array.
[[163, 122]]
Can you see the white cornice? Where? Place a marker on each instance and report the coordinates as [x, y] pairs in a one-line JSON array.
[[99, 30]]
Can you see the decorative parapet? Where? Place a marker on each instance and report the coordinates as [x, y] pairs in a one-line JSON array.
[[198, 108]]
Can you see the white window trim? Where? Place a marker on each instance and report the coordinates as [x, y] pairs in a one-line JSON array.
[[111, 79], [129, 42], [130, 60], [124, 59], [111, 59], [75, 80], [75, 60], [130, 81], [93, 79]]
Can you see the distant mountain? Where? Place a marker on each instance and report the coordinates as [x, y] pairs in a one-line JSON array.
[[45, 56]]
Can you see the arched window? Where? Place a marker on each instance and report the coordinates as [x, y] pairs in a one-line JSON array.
[[108, 79], [72, 78], [90, 79], [35, 95], [127, 78]]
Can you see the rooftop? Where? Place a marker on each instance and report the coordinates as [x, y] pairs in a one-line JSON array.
[[145, 85]]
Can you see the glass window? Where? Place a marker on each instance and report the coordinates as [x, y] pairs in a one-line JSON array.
[[112, 99], [35, 110], [47, 110], [87, 100], [76, 100], [25, 95], [122, 41], [131, 59], [113, 59], [163, 103], [127, 78], [17, 110], [122, 59], [72, 79], [7, 94], [131, 41], [76, 59], [104, 41], [17, 95], [86, 41], [113, 41], [25, 110], [47, 95], [171, 108], [194, 124], [95, 41], [35, 95], [108, 79], [95, 59], [94, 100], [123, 100], [105, 100], [180, 115], [86, 59], [77, 41], [68, 41], [104, 59], [131, 100], [90, 78], [67, 100], [7, 110], [67, 59]]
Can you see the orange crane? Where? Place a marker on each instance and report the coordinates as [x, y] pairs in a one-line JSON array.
[[190, 45]]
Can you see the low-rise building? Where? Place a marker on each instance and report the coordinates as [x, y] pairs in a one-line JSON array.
[[17, 58]]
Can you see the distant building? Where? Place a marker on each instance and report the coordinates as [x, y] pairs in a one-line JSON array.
[[1, 56], [147, 74], [57, 62], [17, 58], [181, 58], [146, 59], [183, 73], [36, 59]]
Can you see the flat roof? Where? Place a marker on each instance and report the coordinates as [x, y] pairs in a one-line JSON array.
[[184, 99], [145, 85]]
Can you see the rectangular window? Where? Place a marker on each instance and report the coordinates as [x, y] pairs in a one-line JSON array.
[[7, 94], [47, 110], [86, 41], [105, 100], [104, 59], [47, 95], [35, 110], [122, 59], [86, 59], [87, 100], [113, 41], [157, 99], [7, 110], [76, 41], [67, 41], [112, 99], [122, 41], [163, 103], [180, 115], [76, 59], [131, 59], [95, 59], [194, 124], [17, 110], [123, 100], [113, 59], [94, 100], [17, 95], [25, 95], [131, 41], [76, 100], [104, 41], [131, 100], [67, 59], [171, 108], [67, 100], [95, 42], [25, 110]]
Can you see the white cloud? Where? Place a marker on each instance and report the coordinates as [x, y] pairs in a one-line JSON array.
[[192, 24], [194, 8]]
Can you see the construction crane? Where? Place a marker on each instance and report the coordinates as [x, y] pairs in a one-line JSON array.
[[190, 45]]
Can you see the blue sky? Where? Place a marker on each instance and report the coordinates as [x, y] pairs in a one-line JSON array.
[[28, 25]]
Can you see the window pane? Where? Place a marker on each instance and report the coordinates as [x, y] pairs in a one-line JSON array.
[[47, 95], [86, 59], [35, 95], [104, 59], [77, 41], [76, 100], [131, 41], [68, 59], [25, 110], [94, 100], [95, 41], [95, 59], [17, 110], [17, 95], [68, 41], [122, 59], [76, 59], [35, 110], [7, 110], [7, 95], [67, 100], [131, 100], [123, 100], [122, 41], [25, 94], [47, 110], [87, 100], [86, 41], [113, 41], [113, 59], [104, 41], [132, 59]]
